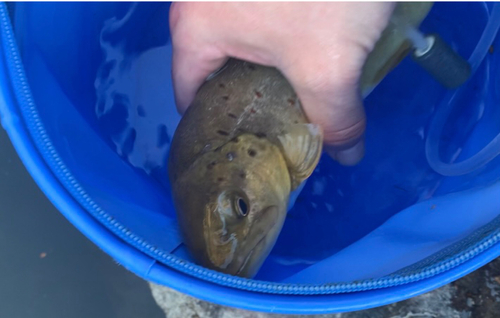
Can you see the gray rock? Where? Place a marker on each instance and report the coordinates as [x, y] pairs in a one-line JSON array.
[[475, 296]]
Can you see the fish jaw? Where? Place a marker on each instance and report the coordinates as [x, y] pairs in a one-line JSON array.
[[205, 196], [244, 252]]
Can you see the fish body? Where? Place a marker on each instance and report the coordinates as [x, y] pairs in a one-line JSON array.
[[242, 146]]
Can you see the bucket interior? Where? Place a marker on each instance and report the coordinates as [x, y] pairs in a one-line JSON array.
[[99, 74]]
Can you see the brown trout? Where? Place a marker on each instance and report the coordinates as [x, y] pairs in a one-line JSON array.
[[241, 147]]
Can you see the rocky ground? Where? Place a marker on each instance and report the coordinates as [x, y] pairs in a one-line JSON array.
[[474, 296]]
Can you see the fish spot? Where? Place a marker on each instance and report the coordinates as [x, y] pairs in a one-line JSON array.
[[491, 49], [261, 135], [220, 179], [222, 132], [211, 165], [225, 97], [295, 121], [291, 101], [252, 67], [232, 115], [252, 110], [222, 85], [252, 152], [230, 156], [243, 175], [258, 94]]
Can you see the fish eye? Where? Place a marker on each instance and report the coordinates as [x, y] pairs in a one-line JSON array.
[[242, 206]]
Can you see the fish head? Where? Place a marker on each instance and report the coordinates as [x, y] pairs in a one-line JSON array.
[[232, 205]]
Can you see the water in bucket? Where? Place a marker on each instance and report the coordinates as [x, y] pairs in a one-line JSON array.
[[102, 94]]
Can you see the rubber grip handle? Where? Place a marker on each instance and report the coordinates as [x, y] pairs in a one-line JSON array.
[[442, 62]]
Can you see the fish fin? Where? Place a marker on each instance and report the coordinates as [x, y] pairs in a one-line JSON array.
[[302, 146]]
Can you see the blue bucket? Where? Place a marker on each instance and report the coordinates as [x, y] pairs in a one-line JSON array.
[[87, 101]]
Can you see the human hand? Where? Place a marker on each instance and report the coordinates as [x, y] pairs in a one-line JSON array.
[[319, 47]]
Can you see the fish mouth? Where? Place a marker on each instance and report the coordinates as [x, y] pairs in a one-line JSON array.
[[249, 256], [271, 221]]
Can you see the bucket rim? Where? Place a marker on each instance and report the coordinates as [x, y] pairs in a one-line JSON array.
[[150, 269]]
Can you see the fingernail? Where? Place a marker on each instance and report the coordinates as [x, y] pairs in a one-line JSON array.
[[350, 156]]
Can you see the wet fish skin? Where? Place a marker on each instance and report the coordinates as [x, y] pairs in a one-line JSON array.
[[245, 137]]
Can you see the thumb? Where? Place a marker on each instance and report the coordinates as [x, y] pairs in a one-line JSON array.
[[189, 72], [193, 59], [335, 104]]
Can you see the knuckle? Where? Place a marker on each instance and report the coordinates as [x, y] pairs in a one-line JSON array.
[[175, 13], [184, 17], [316, 79], [327, 78], [345, 136]]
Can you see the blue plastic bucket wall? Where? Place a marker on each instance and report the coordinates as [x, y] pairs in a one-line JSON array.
[[87, 101]]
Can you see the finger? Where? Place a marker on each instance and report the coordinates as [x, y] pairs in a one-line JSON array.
[[193, 59], [334, 103], [189, 72], [343, 122]]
